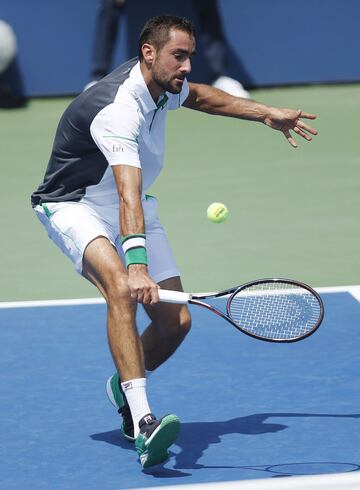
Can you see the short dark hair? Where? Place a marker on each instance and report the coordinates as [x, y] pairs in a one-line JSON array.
[[156, 31]]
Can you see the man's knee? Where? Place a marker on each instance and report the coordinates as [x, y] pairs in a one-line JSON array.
[[180, 325], [117, 289], [185, 322]]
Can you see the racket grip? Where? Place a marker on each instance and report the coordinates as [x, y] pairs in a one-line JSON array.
[[166, 296]]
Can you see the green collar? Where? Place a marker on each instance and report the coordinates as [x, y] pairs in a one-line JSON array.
[[162, 102]]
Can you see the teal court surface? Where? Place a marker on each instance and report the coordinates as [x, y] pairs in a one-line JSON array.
[[249, 409]]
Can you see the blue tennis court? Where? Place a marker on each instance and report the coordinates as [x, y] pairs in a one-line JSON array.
[[249, 409]]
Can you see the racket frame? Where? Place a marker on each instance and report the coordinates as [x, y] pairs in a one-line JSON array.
[[196, 299]]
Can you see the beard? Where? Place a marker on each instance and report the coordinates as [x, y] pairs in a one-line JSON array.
[[172, 85]]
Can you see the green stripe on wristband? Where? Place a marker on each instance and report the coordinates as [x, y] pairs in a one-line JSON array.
[[136, 255]]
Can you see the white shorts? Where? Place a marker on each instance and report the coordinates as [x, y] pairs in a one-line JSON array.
[[73, 225]]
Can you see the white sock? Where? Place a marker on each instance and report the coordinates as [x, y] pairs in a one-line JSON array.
[[135, 392]]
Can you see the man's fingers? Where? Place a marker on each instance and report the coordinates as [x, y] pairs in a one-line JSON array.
[[133, 294], [154, 295], [302, 134], [290, 139], [306, 127], [146, 295], [150, 296], [137, 294], [307, 115]]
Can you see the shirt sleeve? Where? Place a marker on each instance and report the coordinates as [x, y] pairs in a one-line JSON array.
[[177, 100], [115, 130]]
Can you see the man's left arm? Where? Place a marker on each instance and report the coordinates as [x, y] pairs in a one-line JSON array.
[[208, 99]]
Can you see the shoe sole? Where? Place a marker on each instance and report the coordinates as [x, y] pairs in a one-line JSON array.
[[158, 443], [112, 400]]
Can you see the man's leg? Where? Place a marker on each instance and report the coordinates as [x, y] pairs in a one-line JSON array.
[[103, 267], [170, 323]]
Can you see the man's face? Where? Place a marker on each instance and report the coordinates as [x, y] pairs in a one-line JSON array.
[[173, 61]]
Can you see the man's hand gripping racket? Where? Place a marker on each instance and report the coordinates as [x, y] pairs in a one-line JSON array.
[[275, 310]]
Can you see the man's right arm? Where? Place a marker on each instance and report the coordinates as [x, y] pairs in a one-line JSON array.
[[128, 182], [115, 131]]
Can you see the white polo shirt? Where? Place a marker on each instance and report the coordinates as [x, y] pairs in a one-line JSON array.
[[115, 122]]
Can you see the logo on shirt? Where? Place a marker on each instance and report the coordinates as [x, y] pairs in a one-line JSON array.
[[117, 147]]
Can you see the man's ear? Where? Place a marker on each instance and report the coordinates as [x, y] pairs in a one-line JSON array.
[[148, 53]]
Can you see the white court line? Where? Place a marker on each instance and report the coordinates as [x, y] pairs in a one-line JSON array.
[[51, 302], [336, 481], [353, 290]]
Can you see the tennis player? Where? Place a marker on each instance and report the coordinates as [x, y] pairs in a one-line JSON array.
[[108, 150]]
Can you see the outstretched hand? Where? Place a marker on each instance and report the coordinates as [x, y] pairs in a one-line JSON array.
[[286, 120]]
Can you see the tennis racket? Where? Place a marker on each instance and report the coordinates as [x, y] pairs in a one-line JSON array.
[[275, 310]]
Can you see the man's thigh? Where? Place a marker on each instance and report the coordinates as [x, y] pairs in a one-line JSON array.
[[72, 226], [102, 266]]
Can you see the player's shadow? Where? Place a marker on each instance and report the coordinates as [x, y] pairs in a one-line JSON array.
[[196, 437]]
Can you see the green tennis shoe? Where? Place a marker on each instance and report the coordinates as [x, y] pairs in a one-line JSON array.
[[118, 399], [155, 437]]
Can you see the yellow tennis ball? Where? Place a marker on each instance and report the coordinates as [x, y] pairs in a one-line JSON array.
[[217, 212]]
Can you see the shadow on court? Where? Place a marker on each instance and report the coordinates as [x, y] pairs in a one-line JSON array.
[[197, 437]]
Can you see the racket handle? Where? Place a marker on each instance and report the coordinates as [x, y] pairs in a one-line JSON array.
[[166, 296]]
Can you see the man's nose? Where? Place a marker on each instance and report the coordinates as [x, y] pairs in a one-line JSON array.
[[186, 66]]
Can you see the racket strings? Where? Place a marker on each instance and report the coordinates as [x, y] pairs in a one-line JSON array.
[[275, 310]]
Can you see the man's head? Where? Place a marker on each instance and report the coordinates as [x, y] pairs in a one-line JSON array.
[[166, 46]]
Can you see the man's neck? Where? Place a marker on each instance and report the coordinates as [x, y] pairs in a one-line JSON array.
[[155, 91]]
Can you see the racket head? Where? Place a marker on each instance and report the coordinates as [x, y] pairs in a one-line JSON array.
[[276, 310]]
